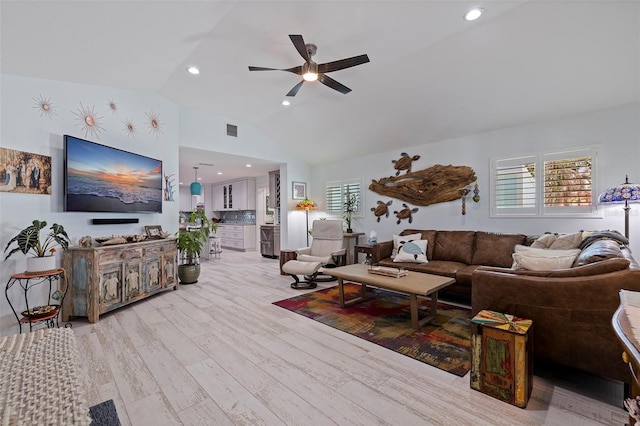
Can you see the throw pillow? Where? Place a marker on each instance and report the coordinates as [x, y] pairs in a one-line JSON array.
[[537, 259], [412, 251], [567, 241], [544, 241], [398, 240]]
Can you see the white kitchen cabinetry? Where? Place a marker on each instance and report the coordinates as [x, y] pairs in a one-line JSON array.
[[238, 237], [236, 195], [217, 195]]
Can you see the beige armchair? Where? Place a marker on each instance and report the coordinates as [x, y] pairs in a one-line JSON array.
[[326, 251]]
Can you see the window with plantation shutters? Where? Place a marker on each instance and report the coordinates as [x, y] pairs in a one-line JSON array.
[[515, 186], [334, 197], [546, 184], [337, 193], [568, 181]]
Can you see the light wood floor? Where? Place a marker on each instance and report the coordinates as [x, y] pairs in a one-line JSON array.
[[219, 353]]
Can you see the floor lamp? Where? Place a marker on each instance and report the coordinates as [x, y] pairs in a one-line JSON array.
[[306, 205], [624, 193]]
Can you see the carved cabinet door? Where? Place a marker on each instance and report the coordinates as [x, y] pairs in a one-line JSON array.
[[110, 291], [170, 270], [132, 280], [153, 274]]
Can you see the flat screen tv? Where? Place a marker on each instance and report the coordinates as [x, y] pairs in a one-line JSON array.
[[99, 178]]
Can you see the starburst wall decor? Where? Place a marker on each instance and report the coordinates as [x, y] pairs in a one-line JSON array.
[[153, 121], [45, 106], [90, 123], [130, 127], [113, 106]]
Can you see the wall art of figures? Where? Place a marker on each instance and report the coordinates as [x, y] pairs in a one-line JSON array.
[[24, 172]]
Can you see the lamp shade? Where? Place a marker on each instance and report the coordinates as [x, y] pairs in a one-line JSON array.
[[196, 187], [624, 193]]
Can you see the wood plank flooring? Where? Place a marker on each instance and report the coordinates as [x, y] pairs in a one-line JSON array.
[[219, 353]]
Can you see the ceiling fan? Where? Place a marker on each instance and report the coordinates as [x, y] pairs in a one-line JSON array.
[[310, 71]]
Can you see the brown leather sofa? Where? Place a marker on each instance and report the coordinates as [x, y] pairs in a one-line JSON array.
[[571, 308], [456, 254]]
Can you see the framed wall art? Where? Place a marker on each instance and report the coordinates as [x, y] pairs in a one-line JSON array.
[[24, 172], [299, 190], [153, 231]]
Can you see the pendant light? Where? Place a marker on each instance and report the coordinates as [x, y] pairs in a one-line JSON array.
[[196, 187]]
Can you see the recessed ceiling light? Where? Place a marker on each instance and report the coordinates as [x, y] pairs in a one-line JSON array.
[[193, 70], [248, 165], [473, 14], [219, 173], [286, 103]]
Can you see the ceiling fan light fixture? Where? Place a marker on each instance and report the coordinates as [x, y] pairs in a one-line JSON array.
[[473, 14], [310, 71]]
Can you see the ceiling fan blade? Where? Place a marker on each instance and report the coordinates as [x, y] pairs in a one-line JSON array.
[[295, 89], [343, 63], [298, 42], [329, 82], [294, 70], [252, 68]]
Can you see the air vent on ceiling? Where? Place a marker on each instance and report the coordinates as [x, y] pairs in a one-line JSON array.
[[232, 130]]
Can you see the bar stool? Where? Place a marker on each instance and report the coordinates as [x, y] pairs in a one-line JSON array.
[[215, 246]]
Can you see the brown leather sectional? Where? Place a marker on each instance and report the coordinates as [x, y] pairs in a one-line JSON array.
[[571, 308]]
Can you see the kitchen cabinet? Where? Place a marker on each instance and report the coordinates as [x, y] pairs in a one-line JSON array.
[[238, 237], [217, 197], [236, 195], [274, 189], [189, 202], [105, 278]]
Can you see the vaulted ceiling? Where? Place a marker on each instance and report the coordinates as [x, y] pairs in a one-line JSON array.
[[432, 75]]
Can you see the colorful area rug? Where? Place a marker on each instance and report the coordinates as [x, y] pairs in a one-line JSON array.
[[385, 319]]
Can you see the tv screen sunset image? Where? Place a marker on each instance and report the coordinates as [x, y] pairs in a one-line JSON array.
[[104, 179]]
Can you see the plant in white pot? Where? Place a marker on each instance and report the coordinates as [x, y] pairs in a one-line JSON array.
[[29, 241]]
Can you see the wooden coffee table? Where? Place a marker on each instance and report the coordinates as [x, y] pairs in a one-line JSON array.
[[414, 284]]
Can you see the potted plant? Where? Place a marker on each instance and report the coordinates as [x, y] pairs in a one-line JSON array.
[[349, 209], [190, 243], [28, 240]]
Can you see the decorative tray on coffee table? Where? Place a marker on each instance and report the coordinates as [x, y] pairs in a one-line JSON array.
[[388, 271]]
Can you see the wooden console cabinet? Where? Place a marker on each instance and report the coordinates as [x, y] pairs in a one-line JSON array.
[[101, 279]]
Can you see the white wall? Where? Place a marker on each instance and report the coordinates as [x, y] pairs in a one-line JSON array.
[[617, 130], [23, 128], [203, 131]]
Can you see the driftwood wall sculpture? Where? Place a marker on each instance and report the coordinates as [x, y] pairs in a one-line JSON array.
[[436, 184]]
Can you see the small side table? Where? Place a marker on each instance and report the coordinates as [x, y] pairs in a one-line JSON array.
[[502, 356], [54, 300], [348, 236], [285, 256], [366, 249]]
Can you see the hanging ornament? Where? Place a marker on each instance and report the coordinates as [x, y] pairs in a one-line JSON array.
[[476, 192], [465, 192]]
